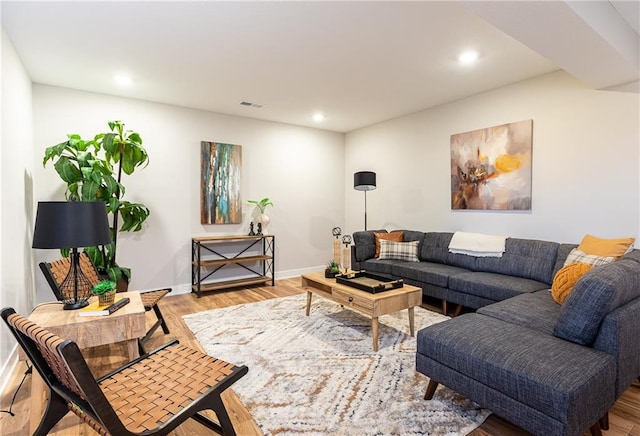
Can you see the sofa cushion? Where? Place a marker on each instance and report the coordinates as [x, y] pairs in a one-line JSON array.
[[597, 293], [405, 251], [427, 272], [365, 244], [393, 236], [618, 336], [633, 255], [565, 280], [605, 247], [411, 235], [526, 258], [578, 256], [435, 248], [563, 252], [569, 382], [379, 266], [535, 310], [493, 286]]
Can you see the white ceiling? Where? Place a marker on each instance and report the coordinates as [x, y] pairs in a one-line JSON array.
[[357, 62]]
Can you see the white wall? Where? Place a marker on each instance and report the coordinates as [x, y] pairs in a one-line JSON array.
[[16, 198], [300, 169], [585, 163]]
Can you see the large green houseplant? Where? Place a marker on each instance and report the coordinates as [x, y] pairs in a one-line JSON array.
[[92, 170]]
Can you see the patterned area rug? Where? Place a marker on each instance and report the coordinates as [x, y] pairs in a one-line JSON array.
[[319, 375]]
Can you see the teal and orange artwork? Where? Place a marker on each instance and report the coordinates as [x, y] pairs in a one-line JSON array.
[[220, 184]]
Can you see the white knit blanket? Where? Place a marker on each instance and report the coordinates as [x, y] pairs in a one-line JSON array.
[[477, 244]]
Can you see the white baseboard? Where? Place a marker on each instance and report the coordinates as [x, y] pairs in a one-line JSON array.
[[7, 369], [185, 288]]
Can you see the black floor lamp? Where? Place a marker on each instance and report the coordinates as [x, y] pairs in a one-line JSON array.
[[72, 224], [364, 181]]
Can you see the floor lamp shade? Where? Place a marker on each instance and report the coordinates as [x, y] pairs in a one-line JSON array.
[[72, 224], [364, 181]]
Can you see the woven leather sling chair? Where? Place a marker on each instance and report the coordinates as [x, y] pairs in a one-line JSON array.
[[56, 271], [151, 395]]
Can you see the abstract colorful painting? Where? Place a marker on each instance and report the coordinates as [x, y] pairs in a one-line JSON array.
[[491, 168], [220, 184]]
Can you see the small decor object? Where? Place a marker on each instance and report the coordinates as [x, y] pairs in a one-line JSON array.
[[364, 181], [259, 229], [346, 254], [106, 292], [220, 183], [262, 218], [251, 231], [332, 269], [336, 231], [491, 168]]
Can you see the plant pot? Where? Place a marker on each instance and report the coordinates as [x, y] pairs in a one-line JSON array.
[[107, 298], [330, 274], [123, 284], [264, 219]]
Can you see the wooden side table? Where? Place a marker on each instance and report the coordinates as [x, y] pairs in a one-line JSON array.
[[126, 325]]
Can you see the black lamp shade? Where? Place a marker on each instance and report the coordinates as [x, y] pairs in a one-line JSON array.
[[364, 181], [71, 224]]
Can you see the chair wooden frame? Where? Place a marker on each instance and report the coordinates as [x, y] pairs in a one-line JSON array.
[[149, 395], [56, 271]]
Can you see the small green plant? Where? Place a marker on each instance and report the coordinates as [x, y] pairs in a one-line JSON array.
[[262, 204], [103, 287], [333, 266]]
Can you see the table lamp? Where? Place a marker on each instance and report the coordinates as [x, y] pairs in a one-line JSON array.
[[364, 181], [72, 224]]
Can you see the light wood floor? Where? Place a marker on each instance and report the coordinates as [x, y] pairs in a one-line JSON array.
[[624, 417]]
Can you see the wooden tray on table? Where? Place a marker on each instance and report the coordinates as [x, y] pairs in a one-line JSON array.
[[368, 282]]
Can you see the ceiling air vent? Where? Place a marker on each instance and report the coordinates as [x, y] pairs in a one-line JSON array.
[[249, 104]]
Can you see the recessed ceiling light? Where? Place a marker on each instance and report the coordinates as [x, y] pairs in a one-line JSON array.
[[123, 80], [468, 57], [318, 117]]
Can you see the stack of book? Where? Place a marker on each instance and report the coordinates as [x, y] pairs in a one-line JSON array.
[[94, 309]]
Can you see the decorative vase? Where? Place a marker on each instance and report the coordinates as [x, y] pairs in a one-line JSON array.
[[107, 298], [264, 220]]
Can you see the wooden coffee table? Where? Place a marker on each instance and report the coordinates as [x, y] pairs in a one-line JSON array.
[[371, 305]]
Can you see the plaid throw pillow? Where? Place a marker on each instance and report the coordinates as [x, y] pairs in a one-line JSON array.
[[407, 251], [578, 256]]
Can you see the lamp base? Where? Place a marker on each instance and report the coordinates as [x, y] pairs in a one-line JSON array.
[[77, 305]]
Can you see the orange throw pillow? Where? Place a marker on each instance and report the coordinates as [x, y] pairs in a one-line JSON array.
[[393, 236], [605, 247], [565, 279]]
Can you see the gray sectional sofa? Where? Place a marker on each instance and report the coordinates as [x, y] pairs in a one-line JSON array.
[[550, 369]]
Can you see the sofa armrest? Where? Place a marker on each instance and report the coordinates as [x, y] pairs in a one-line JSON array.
[[618, 336]]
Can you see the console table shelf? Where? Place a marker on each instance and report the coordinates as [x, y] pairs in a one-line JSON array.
[[254, 254]]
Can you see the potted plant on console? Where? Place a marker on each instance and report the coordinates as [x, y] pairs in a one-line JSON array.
[[92, 170]]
